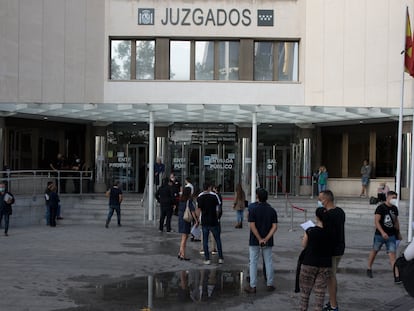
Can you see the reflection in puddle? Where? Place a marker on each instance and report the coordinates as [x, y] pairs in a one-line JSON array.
[[182, 290]]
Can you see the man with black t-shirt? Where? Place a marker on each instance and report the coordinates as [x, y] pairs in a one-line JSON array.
[[208, 204], [387, 228], [335, 226], [115, 198]]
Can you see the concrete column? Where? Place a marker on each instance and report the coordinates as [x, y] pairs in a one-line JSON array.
[[151, 167], [100, 155], [2, 143], [345, 155], [254, 158]]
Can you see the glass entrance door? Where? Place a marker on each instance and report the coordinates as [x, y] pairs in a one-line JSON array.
[[135, 175], [273, 168], [220, 165]]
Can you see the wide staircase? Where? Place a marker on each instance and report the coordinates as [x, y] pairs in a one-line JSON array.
[[93, 209]]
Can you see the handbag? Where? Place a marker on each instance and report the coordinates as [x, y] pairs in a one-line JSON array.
[[187, 213]]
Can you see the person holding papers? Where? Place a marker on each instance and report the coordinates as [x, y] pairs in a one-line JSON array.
[[316, 262]]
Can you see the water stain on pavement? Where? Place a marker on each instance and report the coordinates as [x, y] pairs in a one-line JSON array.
[[203, 289]]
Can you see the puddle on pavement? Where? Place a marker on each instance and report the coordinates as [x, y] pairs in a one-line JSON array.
[[182, 290]]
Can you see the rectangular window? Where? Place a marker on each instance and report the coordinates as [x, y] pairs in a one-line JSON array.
[[287, 61], [229, 60], [204, 60], [145, 59], [120, 60], [263, 61], [180, 52]]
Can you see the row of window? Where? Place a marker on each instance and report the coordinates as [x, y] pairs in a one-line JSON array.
[[204, 60]]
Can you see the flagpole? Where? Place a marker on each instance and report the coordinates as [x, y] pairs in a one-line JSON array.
[[410, 212]]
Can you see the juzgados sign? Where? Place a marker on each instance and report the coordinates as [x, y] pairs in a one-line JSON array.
[[200, 17]]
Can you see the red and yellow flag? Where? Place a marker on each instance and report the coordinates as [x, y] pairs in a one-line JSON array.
[[409, 59]]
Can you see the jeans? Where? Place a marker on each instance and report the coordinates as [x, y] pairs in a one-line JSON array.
[[111, 212], [239, 215], [47, 214], [215, 230], [321, 187], [254, 252]]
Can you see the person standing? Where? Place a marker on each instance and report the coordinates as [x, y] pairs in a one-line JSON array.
[[115, 199], [184, 227], [316, 262], [53, 205], [387, 228], [239, 205], [6, 201], [187, 183], [322, 178], [165, 197], [48, 190], [335, 226], [263, 225], [365, 176], [177, 190], [159, 171], [58, 166], [207, 205]]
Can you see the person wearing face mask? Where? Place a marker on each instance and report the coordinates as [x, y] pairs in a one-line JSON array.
[[387, 228]]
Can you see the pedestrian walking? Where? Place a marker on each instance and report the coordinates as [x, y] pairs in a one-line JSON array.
[[6, 201], [115, 199], [166, 199], [387, 230], [322, 178], [53, 205], [207, 205], [365, 176]]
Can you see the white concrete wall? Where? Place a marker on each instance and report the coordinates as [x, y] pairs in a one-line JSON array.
[[52, 51], [353, 53]]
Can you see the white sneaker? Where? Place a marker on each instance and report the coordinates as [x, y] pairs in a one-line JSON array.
[[201, 252], [214, 252], [207, 262], [221, 261]]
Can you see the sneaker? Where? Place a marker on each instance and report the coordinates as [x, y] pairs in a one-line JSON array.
[[369, 273], [329, 308], [106, 225], [397, 280], [221, 261], [270, 288], [214, 252], [206, 262], [201, 252]]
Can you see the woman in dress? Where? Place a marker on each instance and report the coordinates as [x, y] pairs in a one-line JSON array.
[[239, 205], [184, 227]]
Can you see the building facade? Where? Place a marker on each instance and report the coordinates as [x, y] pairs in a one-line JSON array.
[[285, 85]]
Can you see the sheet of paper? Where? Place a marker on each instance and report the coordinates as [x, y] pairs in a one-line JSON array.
[[307, 224]]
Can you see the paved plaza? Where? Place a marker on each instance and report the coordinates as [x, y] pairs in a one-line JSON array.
[[135, 267]]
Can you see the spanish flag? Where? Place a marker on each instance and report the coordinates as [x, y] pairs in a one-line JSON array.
[[409, 59]]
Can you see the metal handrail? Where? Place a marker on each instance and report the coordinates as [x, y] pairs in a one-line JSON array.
[[38, 177]]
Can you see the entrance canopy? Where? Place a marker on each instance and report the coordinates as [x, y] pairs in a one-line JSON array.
[[215, 113]]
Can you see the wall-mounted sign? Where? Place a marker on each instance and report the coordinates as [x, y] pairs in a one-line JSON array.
[[203, 17]]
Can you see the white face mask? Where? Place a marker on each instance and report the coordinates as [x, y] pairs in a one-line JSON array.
[[320, 203], [394, 202]]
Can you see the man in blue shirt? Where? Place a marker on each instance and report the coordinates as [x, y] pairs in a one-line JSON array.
[[263, 225]]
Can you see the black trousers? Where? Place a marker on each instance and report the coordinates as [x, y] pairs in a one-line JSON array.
[[166, 212], [52, 216]]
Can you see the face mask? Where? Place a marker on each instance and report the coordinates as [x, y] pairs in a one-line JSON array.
[[320, 203], [394, 202], [2, 189]]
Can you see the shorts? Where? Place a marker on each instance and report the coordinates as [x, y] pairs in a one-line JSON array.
[[390, 243], [365, 181]]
